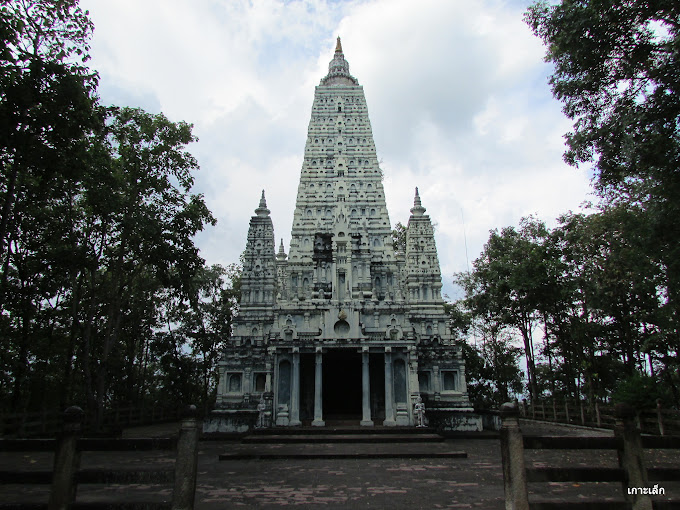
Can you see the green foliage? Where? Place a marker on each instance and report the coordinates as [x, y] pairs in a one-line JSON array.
[[508, 281], [105, 299], [616, 74], [492, 372], [399, 237], [591, 288], [641, 392]]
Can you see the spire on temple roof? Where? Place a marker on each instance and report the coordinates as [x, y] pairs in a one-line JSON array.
[[418, 209], [262, 208], [281, 255], [338, 69]]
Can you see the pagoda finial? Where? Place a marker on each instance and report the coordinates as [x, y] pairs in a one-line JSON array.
[[338, 69], [281, 255], [418, 209], [262, 208]]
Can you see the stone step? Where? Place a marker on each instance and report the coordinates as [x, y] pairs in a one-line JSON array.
[[342, 451], [342, 438], [343, 430]]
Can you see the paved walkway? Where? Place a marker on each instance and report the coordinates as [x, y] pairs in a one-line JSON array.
[[472, 482]]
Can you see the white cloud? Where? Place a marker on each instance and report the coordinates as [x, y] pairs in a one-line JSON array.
[[456, 90]]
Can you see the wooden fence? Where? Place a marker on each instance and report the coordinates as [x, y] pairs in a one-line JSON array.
[[48, 423], [649, 421], [632, 472], [66, 474]]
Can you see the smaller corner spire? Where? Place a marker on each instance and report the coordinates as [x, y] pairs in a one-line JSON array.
[[418, 209], [338, 46], [281, 255], [262, 208]]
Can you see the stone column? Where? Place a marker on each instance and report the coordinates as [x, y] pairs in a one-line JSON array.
[[512, 454], [247, 382], [66, 461], [268, 378], [630, 458], [221, 385], [295, 391], [186, 463], [318, 402], [389, 394], [436, 382], [365, 390]]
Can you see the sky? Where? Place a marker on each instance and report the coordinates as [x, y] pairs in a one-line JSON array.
[[457, 95]]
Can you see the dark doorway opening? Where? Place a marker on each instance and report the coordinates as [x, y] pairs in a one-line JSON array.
[[341, 385], [307, 366]]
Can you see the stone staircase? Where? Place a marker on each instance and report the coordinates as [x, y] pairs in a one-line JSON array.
[[343, 442]]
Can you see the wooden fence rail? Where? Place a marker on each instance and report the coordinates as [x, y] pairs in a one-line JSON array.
[[66, 474], [48, 423], [650, 421], [632, 472]]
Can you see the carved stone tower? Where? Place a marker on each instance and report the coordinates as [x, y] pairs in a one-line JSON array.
[[343, 326]]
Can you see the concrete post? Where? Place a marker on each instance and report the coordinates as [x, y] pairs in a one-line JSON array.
[[389, 390], [295, 390], [365, 390], [187, 461], [630, 458], [66, 461], [512, 453], [318, 401], [659, 416]]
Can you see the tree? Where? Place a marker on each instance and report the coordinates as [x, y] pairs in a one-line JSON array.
[[616, 72], [399, 237], [196, 329], [46, 106], [139, 231], [47, 113], [508, 282]]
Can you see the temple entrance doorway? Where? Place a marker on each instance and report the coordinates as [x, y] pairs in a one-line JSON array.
[[341, 385]]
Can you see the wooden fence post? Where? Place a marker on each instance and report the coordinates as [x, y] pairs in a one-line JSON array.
[[583, 414], [597, 414], [512, 453], [187, 461], [542, 410], [630, 458], [659, 416], [66, 461], [523, 409], [566, 411], [554, 406]]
